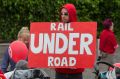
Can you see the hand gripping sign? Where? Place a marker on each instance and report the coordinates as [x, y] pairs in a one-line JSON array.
[[62, 45]]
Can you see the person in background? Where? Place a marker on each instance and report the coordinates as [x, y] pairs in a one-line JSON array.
[[108, 43], [68, 14], [23, 36]]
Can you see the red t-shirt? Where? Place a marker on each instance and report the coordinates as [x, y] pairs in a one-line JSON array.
[[108, 41]]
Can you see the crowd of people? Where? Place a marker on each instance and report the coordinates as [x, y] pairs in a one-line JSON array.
[[68, 13]]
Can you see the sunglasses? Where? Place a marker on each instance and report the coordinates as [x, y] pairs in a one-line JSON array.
[[65, 14]]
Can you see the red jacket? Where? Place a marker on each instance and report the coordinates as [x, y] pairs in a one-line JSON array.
[[73, 18], [108, 41]]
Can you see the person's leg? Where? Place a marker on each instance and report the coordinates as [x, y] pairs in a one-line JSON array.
[[109, 58], [61, 76], [75, 76], [106, 58], [68, 76]]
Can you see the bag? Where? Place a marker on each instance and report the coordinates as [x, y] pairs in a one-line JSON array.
[[107, 75], [29, 74]]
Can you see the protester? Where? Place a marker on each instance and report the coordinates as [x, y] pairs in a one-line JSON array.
[[68, 14], [108, 43], [11, 55]]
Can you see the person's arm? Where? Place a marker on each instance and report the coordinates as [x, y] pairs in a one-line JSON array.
[[114, 41], [5, 62]]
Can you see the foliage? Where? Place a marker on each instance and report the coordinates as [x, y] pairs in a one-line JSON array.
[[15, 14]]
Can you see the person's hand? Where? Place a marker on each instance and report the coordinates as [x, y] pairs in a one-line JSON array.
[[116, 46]]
